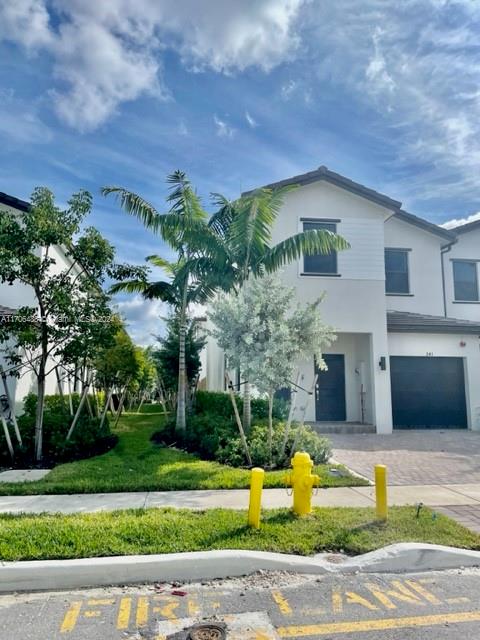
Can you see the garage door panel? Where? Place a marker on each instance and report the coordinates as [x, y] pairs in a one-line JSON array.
[[428, 392]]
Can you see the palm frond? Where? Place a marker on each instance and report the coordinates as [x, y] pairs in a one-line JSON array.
[[162, 263], [221, 220], [162, 290], [136, 206], [183, 198], [308, 243], [251, 226], [129, 286]]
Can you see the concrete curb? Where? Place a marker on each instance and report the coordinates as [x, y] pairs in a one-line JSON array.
[[207, 565]]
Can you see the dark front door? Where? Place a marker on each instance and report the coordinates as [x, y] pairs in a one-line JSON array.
[[428, 393], [330, 390]]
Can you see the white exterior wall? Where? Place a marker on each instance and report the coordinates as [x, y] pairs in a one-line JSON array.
[[467, 247], [424, 268], [354, 301], [446, 345]]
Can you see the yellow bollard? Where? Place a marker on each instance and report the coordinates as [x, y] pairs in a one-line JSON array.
[[256, 486], [302, 481], [381, 491]]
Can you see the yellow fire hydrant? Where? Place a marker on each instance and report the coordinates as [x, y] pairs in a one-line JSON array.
[[302, 480]]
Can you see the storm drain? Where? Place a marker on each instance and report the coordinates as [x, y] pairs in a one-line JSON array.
[[207, 631], [201, 631]]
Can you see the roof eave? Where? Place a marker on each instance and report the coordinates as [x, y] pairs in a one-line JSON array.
[[13, 202], [410, 218], [323, 173]]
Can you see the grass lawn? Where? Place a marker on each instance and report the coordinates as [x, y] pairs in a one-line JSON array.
[[149, 531], [136, 464]]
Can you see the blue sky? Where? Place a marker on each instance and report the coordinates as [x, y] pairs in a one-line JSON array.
[[238, 94]]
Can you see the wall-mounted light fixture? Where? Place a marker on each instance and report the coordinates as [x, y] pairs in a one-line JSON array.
[[382, 363]]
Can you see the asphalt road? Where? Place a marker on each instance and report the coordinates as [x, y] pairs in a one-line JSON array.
[[436, 606]]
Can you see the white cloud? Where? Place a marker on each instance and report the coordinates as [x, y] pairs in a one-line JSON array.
[[106, 53], [251, 121], [418, 68], [143, 318], [458, 222], [223, 130], [20, 122], [288, 89]]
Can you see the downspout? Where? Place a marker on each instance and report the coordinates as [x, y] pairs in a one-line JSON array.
[[443, 250]]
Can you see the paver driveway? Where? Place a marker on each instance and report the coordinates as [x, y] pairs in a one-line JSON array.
[[413, 457]]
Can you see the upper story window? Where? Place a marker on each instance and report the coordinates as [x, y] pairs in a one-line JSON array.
[[320, 264], [397, 281], [465, 280]]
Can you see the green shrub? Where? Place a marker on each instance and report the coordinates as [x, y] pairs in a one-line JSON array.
[[318, 447], [87, 439], [220, 404]]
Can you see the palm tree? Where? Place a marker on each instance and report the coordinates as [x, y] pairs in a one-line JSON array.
[[179, 294], [239, 246], [183, 228]]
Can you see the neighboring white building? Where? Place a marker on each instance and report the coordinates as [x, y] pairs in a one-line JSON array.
[[407, 353], [19, 295]]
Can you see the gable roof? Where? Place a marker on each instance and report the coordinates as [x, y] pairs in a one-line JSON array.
[[465, 228], [16, 203], [425, 225], [402, 321], [324, 173]]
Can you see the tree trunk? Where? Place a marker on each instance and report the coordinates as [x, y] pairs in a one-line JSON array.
[[39, 412], [270, 428], [181, 423], [293, 402], [247, 406]]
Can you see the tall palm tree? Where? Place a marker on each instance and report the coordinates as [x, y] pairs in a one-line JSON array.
[[183, 228], [239, 245]]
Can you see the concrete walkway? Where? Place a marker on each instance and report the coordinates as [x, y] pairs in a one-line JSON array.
[[455, 496]]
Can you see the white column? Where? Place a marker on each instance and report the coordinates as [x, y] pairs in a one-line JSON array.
[[382, 394]]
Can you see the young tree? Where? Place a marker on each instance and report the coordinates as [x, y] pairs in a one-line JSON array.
[[265, 332], [166, 357], [70, 315]]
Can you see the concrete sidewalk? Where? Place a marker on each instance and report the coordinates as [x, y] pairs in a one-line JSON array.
[[457, 496]]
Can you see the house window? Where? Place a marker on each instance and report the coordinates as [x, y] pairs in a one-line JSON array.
[[465, 280], [396, 272], [319, 263]]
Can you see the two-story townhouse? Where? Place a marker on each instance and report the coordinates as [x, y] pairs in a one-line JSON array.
[[19, 295], [400, 360], [461, 266]]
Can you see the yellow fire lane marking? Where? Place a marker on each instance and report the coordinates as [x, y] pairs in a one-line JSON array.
[[429, 597], [337, 601], [124, 613], [282, 603], [378, 625], [142, 611], [71, 617]]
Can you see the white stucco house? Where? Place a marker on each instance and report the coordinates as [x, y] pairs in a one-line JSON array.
[[404, 300], [17, 295]]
